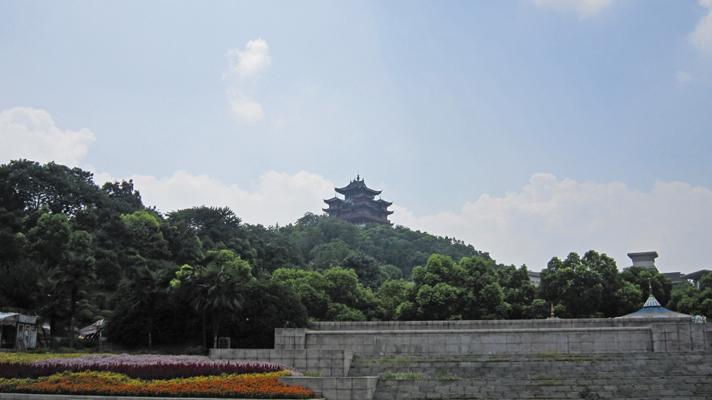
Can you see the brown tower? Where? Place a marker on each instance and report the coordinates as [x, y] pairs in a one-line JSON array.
[[359, 205]]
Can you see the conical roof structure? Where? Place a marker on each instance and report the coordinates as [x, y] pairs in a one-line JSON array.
[[653, 309]]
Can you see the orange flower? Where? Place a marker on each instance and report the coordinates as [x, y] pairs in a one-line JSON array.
[[256, 386]]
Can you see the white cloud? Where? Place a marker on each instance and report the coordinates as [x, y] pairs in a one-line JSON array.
[[278, 198], [551, 217], [683, 77], [546, 217], [33, 134], [584, 8], [245, 109], [701, 37], [252, 60], [246, 65]]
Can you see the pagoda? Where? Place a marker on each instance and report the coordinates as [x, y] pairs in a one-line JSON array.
[[359, 205]]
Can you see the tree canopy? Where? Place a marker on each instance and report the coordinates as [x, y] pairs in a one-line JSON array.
[[73, 252]]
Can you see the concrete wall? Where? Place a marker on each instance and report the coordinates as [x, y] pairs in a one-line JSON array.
[[485, 341], [495, 324], [333, 388], [592, 335], [311, 361]]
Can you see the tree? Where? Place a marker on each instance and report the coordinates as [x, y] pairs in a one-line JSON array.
[[122, 197], [690, 299], [266, 305], [437, 302], [216, 227], [575, 285], [519, 292], [329, 254], [309, 286], [138, 299], [20, 273], [216, 287], [145, 235], [643, 278], [484, 296], [74, 275], [49, 238], [392, 294]]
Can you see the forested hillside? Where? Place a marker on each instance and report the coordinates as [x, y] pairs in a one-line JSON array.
[[73, 252]]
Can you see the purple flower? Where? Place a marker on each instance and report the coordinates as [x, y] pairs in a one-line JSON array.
[[137, 366]]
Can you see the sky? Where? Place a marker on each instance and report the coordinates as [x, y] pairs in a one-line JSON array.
[[528, 128]]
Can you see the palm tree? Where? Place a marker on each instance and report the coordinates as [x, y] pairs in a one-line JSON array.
[[216, 288], [219, 295], [142, 293]]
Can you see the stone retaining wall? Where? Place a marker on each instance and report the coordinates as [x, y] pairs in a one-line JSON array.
[[334, 362], [494, 324], [501, 341], [550, 376], [337, 388], [602, 335]]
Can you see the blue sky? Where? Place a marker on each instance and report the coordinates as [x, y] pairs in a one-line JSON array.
[[528, 127]]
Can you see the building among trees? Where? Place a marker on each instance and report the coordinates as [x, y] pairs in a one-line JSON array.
[[17, 331], [646, 260], [359, 205]]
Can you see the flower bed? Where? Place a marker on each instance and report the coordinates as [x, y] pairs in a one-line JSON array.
[[13, 357], [256, 386], [145, 375], [135, 366]]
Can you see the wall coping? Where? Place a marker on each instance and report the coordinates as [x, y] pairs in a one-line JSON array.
[[617, 320], [450, 331]]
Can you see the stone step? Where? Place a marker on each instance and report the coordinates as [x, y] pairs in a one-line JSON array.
[[690, 388], [543, 376], [552, 366], [543, 371]]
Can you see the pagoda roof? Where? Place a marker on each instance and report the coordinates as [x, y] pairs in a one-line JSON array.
[[387, 203], [653, 309], [333, 200], [357, 184]]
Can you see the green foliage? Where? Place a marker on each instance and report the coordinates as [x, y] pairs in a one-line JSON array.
[[73, 253], [266, 305], [145, 235], [592, 286], [336, 293], [584, 287], [391, 295], [689, 299], [642, 278], [216, 286]]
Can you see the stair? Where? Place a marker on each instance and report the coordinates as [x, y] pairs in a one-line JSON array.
[[540, 376]]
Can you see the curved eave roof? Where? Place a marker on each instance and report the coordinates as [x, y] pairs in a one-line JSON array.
[[355, 186], [333, 200], [655, 312]]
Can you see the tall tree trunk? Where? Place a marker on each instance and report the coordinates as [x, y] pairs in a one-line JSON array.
[[150, 334], [72, 311], [216, 329], [205, 331]]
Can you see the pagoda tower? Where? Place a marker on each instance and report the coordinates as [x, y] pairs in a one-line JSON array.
[[359, 205]]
